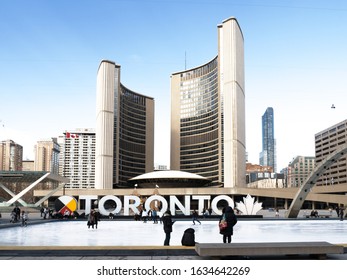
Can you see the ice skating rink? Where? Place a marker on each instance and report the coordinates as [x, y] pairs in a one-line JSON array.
[[137, 233]]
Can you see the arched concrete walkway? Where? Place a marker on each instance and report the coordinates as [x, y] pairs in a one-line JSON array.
[[301, 195]]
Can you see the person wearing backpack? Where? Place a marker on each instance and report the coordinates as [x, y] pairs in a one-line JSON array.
[[231, 220]]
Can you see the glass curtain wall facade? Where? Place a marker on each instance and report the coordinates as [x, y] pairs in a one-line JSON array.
[[133, 118], [200, 131], [208, 114], [268, 154], [124, 130]]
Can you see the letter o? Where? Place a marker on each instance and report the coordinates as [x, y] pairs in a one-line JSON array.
[[102, 201], [217, 199], [156, 197]]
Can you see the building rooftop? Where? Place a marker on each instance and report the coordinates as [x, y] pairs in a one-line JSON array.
[[169, 178]]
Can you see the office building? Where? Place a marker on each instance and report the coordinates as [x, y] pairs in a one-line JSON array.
[[326, 142], [77, 157], [124, 130], [11, 156], [208, 114], [268, 154], [299, 169], [28, 165], [47, 156]]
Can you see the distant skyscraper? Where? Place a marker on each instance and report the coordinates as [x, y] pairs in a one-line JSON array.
[[11, 156], [268, 154], [124, 130], [208, 114], [77, 157], [47, 156]]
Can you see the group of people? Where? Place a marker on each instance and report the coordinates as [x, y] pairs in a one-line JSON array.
[[188, 239], [46, 212], [18, 215], [152, 214]]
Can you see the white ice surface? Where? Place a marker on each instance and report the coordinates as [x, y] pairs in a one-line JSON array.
[[132, 233]]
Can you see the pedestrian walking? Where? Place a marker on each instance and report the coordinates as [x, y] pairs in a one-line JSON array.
[[167, 225], [13, 217], [24, 219], [341, 213], [337, 209], [195, 217], [230, 219]]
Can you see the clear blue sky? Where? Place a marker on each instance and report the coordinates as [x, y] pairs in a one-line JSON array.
[[295, 62]]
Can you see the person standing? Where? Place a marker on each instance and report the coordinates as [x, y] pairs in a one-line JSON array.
[[96, 218], [341, 214], [24, 219], [45, 212], [167, 225], [230, 217], [144, 215], [91, 219], [16, 210], [155, 216]]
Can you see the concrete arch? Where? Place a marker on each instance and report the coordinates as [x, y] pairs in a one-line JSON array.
[[301, 195]]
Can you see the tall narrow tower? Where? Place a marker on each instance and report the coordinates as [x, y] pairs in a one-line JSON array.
[[268, 154]]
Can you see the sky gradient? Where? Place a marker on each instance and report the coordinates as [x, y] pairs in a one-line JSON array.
[[295, 62]]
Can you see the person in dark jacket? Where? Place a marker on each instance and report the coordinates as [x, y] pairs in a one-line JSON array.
[[341, 214], [167, 224], [230, 217], [195, 217], [188, 238]]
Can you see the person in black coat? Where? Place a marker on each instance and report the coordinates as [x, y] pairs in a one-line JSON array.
[[341, 214], [167, 224], [230, 217], [188, 238]]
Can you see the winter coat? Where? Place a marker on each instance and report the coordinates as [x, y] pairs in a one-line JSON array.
[[167, 223], [231, 219], [188, 238]]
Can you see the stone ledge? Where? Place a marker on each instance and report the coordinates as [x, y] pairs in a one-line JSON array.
[[320, 249]]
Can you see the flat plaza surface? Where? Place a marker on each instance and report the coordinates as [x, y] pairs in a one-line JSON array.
[[138, 233]]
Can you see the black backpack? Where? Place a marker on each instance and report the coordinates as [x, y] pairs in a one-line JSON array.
[[188, 238]]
